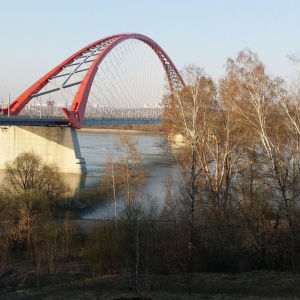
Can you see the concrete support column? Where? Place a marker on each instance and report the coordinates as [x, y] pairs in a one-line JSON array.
[[57, 145]]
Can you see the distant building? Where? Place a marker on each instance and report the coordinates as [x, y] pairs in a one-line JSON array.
[[151, 105], [50, 107]]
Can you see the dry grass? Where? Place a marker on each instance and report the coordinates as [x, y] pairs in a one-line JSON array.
[[252, 285], [134, 128]]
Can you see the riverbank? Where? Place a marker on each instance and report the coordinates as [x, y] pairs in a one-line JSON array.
[[130, 129], [108, 130]]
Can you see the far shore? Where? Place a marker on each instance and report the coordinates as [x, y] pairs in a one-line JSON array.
[[109, 130]]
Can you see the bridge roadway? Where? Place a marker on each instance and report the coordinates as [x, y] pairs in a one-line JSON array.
[[60, 121]]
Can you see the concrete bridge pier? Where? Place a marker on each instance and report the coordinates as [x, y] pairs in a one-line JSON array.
[[57, 145]]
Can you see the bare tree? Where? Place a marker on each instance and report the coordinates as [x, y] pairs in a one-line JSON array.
[[263, 104], [29, 173], [125, 177], [187, 113], [129, 166], [31, 185]]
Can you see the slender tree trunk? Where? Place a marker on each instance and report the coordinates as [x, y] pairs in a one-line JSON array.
[[192, 195], [137, 258], [114, 194]]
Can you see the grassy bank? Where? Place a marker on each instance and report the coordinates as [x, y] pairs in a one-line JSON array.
[[145, 128], [79, 284]]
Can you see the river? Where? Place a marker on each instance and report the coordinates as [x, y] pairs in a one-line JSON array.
[[95, 148]]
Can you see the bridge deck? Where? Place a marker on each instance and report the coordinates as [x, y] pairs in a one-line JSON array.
[[32, 121], [57, 121]]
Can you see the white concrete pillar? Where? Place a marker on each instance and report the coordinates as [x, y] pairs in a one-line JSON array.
[[57, 145]]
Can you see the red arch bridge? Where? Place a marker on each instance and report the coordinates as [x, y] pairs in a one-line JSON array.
[[120, 79]]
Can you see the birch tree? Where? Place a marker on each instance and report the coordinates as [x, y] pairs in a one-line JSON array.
[[187, 114], [257, 100], [130, 169], [132, 179]]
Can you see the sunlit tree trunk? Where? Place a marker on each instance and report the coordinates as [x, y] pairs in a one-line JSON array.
[[109, 184], [258, 101]]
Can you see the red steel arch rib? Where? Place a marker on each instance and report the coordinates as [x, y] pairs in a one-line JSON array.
[[76, 113]]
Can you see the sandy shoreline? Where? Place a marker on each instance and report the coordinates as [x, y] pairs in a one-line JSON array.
[[105, 130]]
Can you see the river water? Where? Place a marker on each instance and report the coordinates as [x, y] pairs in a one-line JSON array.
[[95, 148]]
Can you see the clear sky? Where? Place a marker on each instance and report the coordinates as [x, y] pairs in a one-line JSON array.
[[36, 35]]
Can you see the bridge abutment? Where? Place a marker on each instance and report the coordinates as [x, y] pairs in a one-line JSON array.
[[57, 145]]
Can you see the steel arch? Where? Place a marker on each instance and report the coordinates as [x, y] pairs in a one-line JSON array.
[[76, 113]]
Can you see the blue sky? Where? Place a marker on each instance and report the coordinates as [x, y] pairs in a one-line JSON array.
[[36, 35]]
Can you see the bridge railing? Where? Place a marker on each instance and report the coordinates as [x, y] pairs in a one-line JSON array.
[[22, 120], [120, 121], [25, 117]]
